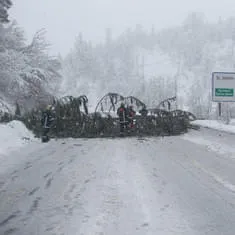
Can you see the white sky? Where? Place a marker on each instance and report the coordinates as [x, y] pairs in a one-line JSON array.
[[64, 19]]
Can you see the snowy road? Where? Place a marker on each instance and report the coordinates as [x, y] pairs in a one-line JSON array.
[[171, 185]]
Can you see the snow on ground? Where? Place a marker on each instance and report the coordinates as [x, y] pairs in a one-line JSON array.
[[212, 144], [217, 125], [15, 138], [14, 135], [117, 186], [140, 186], [217, 138]]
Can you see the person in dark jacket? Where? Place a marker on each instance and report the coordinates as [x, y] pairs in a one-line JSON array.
[[46, 121], [123, 119], [144, 112], [131, 114]]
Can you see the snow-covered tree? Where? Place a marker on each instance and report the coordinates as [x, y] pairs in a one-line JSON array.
[[27, 71], [4, 6], [181, 58]]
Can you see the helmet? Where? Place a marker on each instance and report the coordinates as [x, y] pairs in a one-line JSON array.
[[122, 105], [49, 107]]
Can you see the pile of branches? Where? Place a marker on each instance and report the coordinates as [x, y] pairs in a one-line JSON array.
[[69, 113], [72, 118], [111, 101]]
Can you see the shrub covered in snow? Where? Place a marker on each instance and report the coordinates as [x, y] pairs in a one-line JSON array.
[[14, 134]]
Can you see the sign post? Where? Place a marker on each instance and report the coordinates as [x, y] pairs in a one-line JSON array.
[[223, 88], [220, 109]]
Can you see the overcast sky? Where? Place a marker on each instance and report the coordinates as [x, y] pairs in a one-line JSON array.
[[64, 19]]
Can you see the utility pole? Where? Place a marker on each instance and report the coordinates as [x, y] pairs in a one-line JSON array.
[[220, 110]]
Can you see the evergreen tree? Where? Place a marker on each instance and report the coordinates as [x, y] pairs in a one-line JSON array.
[[4, 6], [17, 111]]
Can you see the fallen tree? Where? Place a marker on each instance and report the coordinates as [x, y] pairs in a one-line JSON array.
[[72, 118]]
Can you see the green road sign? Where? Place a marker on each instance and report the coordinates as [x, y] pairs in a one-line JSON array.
[[224, 92]]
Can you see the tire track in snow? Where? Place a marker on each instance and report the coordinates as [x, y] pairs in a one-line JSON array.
[[35, 205], [120, 197], [11, 231], [34, 191], [218, 179], [48, 183], [161, 213], [140, 187], [9, 218], [102, 212]]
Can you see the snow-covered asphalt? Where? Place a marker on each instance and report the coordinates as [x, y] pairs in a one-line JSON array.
[[172, 185]]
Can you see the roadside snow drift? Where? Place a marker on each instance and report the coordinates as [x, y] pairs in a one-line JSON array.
[[14, 135], [217, 125]]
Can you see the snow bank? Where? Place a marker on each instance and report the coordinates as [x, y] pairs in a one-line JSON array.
[[219, 143], [13, 135], [217, 125]]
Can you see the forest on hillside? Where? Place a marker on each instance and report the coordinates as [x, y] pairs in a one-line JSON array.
[[151, 65], [155, 65]]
